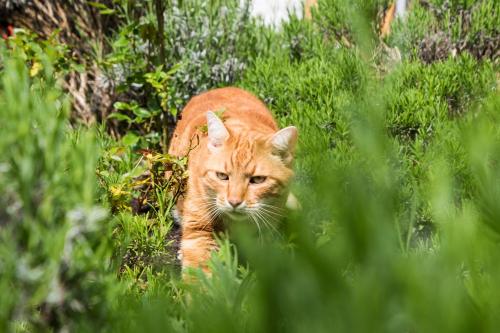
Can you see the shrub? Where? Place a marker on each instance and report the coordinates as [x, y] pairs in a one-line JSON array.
[[436, 30], [205, 45], [54, 257], [396, 172]]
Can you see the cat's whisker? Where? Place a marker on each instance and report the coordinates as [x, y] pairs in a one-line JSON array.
[[275, 209], [264, 218], [209, 213], [212, 212], [275, 215], [272, 228], [272, 211], [256, 221], [273, 220]]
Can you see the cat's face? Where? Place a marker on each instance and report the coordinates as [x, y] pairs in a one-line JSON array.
[[247, 174]]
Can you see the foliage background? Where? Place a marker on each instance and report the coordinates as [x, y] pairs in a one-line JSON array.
[[396, 172]]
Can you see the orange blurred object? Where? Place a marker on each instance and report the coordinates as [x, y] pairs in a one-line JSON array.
[[307, 8], [385, 27], [6, 30]]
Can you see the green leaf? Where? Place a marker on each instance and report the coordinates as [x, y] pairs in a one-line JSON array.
[[97, 5], [142, 113], [130, 139], [123, 106], [107, 11], [120, 116]]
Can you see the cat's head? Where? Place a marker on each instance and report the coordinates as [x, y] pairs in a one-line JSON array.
[[247, 174]]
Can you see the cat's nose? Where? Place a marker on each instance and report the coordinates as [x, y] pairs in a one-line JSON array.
[[234, 202]]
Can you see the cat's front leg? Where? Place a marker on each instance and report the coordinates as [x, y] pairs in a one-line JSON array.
[[196, 246]]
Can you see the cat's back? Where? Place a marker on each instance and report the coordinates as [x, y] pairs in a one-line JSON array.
[[238, 107]]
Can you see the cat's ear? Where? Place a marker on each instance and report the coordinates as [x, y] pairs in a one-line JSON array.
[[217, 132], [283, 143]]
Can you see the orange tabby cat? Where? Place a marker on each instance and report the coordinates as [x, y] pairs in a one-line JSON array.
[[239, 168]]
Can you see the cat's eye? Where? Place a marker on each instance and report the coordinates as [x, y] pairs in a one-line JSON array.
[[222, 175], [257, 179]]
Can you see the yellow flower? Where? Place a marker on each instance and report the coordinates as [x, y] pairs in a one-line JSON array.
[[35, 68], [117, 191]]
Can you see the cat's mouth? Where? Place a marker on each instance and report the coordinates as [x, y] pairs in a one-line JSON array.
[[237, 214]]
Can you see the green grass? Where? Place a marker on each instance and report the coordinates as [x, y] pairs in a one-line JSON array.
[[396, 170]]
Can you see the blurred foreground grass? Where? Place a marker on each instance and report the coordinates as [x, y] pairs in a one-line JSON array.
[[397, 172]]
